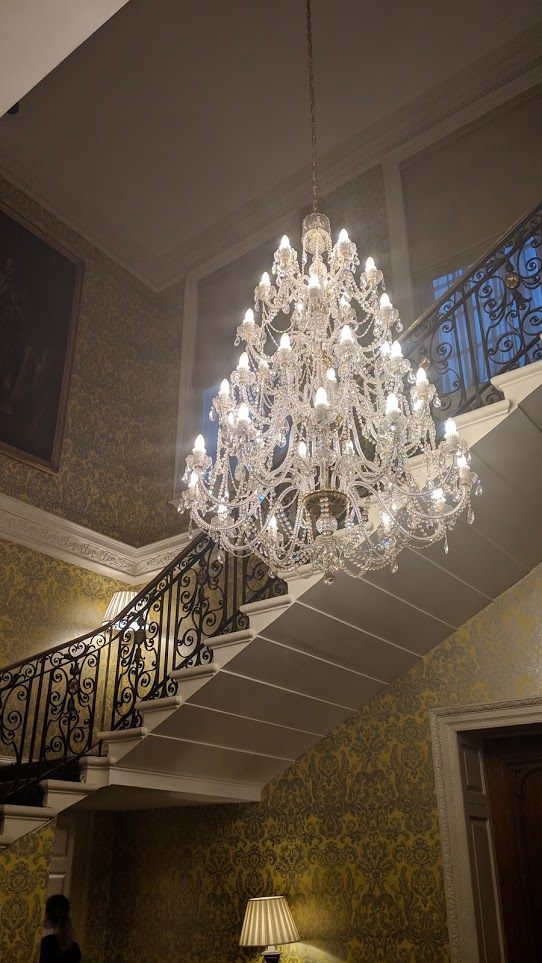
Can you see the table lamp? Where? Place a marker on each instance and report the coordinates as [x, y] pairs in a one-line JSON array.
[[268, 922], [118, 602]]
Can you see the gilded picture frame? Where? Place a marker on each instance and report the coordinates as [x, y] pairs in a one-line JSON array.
[[40, 296]]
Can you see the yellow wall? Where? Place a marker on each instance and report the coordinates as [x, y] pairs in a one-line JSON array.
[[116, 472], [44, 602], [24, 875], [350, 832]]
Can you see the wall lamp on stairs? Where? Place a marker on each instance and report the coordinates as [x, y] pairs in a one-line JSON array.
[[268, 922]]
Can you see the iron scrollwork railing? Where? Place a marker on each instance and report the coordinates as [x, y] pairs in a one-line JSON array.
[[488, 322], [53, 706]]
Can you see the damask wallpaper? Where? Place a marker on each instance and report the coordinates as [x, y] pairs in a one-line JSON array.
[[24, 875], [116, 472], [44, 601], [350, 832]]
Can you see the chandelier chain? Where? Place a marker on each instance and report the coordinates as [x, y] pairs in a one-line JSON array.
[[312, 100]]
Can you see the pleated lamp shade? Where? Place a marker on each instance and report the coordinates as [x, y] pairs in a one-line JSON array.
[[119, 602], [268, 922]]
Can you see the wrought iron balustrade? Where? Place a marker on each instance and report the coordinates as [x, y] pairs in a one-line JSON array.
[[53, 706], [488, 322]]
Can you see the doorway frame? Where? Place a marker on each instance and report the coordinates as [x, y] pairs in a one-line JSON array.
[[446, 724]]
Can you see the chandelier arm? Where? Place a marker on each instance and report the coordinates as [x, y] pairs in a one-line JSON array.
[[312, 102]]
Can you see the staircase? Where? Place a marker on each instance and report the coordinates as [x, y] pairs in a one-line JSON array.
[[217, 676]]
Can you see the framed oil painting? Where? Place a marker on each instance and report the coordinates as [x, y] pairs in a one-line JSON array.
[[40, 291]]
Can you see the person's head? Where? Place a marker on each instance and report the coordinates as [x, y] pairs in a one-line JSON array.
[[57, 918]]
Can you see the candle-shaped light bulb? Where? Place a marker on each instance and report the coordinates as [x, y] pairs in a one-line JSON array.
[[224, 388], [314, 281], [421, 377], [243, 413], [285, 342], [230, 418], [266, 281], [386, 520], [385, 303], [464, 470], [450, 428], [331, 376], [302, 449], [284, 242], [193, 480], [199, 445], [396, 350], [437, 495], [343, 236], [392, 404], [243, 361], [320, 400], [249, 316], [346, 333], [222, 509], [370, 264], [385, 350]]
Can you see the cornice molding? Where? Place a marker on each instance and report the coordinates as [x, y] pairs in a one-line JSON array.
[[518, 60], [49, 534]]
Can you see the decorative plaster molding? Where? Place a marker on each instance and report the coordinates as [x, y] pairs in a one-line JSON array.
[[49, 534], [445, 725]]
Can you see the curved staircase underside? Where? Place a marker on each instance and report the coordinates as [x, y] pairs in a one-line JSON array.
[[311, 658]]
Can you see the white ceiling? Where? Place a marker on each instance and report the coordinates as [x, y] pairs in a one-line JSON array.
[[36, 35], [177, 113]]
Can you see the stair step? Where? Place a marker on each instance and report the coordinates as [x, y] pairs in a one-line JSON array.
[[123, 735], [17, 821], [193, 672], [262, 613], [158, 705], [231, 638], [227, 647], [122, 741], [60, 794]]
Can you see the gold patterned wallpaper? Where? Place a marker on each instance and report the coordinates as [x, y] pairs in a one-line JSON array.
[[44, 601], [350, 832], [24, 875], [116, 472]]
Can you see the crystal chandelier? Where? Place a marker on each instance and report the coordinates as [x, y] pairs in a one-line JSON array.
[[327, 454]]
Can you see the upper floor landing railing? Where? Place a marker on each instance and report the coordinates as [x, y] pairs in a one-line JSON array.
[[53, 706], [488, 322]]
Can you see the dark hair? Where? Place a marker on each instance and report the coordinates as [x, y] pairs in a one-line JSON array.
[[57, 911]]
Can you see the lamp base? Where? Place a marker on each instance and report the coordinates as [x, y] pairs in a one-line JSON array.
[[271, 956]]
